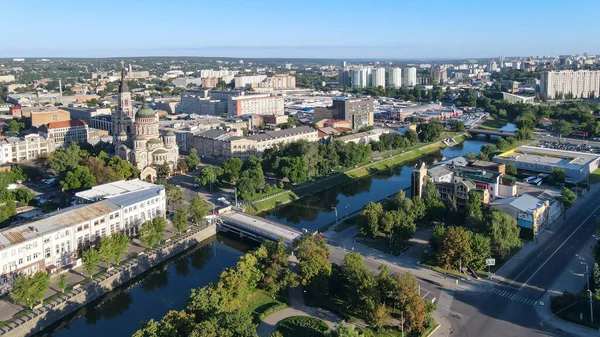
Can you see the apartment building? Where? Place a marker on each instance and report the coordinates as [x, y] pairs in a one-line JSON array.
[[65, 133], [278, 82], [255, 105], [378, 77], [57, 240], [410, 77], [221, 144], [7, 78], [247, 81], [357, 111], [28, 147], [37, 116], [512, 98], [394, 78], [566, 84]]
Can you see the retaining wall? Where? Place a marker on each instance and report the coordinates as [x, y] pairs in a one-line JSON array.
[[52, 312]]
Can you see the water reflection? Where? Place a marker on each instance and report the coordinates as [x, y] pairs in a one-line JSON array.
[[317, 210], [152, 294]]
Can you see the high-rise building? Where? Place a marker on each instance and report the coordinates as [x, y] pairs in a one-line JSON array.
[[501, 60], [344, 78], [378, 77], [343, 64], [361, 77], [356, 111], [394, 78], [440, 75], [492, 66], [570, 84], [410, 77]]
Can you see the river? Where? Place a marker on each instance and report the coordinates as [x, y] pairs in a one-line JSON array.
[[314, 211], [152, 294]]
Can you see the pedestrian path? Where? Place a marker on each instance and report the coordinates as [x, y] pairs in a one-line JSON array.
[[444, 304], [514, 297]]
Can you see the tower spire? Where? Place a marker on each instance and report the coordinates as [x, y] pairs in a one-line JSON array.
[[123, 87]]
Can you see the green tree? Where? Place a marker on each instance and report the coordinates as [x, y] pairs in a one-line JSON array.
[[120, 243], [380, 317], [80, 178], [409, 302], [273, 260], [359, 284], [15, 126], [313, 254], [106, 250], [294, 169], [437, 237], [435, 208], [207, 177], [152, 231], [198, 210], [481, 248], [473, 211], [193, 161], [455, 248], [164, 170], [511, 169], [123, 168], [231, 169], [175, 195], [24, 195], [567, 199], [369, 219], [562, 127], [29, 289], [558, 175], [182, 165], [344, 330], [90, 259], [180, 219], [62, 282], [503, 232]]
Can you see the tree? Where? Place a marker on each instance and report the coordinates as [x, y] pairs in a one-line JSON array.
[[434, 205], [80, 178], [562, 127], [558, 175], [231, 169], [381, 316], [273, 260], [106, 250], [481, 248], [503, 232], [152, 231], [344, 330], [29, 289], [313, 254], [123, 168], [359, 284], [294, 169], [15, 126], [164, 170], [198, 210], [175, 194], [511, 169], [120, 243], [369, 220], [207, 176], [90, 258], [567, 199], [182, 166], [409, 302], [473, 211], [455, 248], [437, 236], [276, 334], [193, 161], [180, 219], [62, 282], [24, 195]]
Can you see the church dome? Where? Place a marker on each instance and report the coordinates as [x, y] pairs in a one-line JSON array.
[[139, 138], [122, 134], [154, 141], [170, 133], [145, 112]]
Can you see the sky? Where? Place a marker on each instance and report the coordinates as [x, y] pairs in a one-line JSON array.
[[349, 29]]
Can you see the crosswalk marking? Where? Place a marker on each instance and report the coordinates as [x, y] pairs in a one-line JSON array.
[[514, 297]]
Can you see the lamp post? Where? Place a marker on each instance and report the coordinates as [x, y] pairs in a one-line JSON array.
[[587, 276], [336, 218]]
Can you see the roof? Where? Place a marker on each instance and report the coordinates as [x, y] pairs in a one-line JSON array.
[[438, 171], [145, 112], [115, 188], [526, 203], [131, 198], [155, 141], [65, 124], [549, 157]]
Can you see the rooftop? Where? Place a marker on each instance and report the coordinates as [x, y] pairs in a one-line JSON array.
[[113, 189], [551, 157]]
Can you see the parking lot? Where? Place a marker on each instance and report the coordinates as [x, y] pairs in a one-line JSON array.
[[567, 146]]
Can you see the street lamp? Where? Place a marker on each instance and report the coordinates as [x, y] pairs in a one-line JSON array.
[[587, 276], [336, 218]]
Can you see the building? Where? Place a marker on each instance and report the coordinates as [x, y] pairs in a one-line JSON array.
[[247, 81], [363, 137], [255, 105], [85, 113], [277, 82], [394, 78], [7, 78], [344, 78], [137, 137], [37, 116], [58, 239], [357, 111], [222, 144], [378, 77], [112, 189], [361, 77], [566, 84], [577, 165], [512, 98], [440, 75], [65, 133], [28, 147], [531, 213], [50, 98], [410, 76]]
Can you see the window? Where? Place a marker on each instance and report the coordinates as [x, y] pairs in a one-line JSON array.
[[47, 252], [97, 234], [112, 228], [35, 256], [112, 216], [96, 223], [79, 228], [66, 232], [116, 215], [103, 220], [118, 226], [28, 258], [20, 261], [103, 231]]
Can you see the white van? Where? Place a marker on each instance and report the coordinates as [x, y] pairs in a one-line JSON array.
[[528, 179], [537, 182]]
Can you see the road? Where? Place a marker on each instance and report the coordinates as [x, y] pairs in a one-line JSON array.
[[509, 309]]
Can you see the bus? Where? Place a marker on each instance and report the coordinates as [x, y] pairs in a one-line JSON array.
[[537, 181], [528, 179]]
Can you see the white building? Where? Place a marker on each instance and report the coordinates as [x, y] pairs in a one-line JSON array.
[[378, 77], [361, 77], [567, 83], [65, 133], [247, 81], [56, 241], [26, 148], [395, 78], [7, 78], [255, 105], [410, 77], [512, 98]]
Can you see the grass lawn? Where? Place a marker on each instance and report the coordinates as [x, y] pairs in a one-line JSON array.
[[568, 307], [275, 201], [595, 177], [493, 124], [301, 326], [260, 302]]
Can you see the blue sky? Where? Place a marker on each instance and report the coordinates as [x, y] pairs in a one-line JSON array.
[[284, 28]]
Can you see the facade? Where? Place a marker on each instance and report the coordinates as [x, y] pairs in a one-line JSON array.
[[221, 144], [7, 78], [364, 137], [57, 240], [570, 84], [512, 98], [395, 78], [577, 165], [279, 81], [247, 81], [531, 213], [26, 148], [357, 111], [440, 75], [137, 137], [361, 77], [378, 77], [63, 134], [38, 116], [86, 114], [410, 77], [255, 105]]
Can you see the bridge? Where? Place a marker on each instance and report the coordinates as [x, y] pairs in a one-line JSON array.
[[504, 134], [256, 228]]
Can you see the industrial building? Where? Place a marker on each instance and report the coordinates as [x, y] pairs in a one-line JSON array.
[[358, 111]]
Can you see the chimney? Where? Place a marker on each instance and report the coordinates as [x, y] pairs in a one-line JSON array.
[[130, 68], [60, 86]]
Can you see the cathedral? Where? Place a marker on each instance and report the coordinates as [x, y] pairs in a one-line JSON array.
[[137, 137]]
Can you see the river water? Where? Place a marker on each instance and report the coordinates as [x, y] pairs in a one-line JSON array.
[[152, 294], [317, 210], [167, 286]]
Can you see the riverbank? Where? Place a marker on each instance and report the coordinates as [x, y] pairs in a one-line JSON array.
[[65, 304], [395, 158]]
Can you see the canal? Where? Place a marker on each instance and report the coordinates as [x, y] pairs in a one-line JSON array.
[[152, 294], [312, 212]]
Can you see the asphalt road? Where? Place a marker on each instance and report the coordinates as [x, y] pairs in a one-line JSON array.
[[509, 310]]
